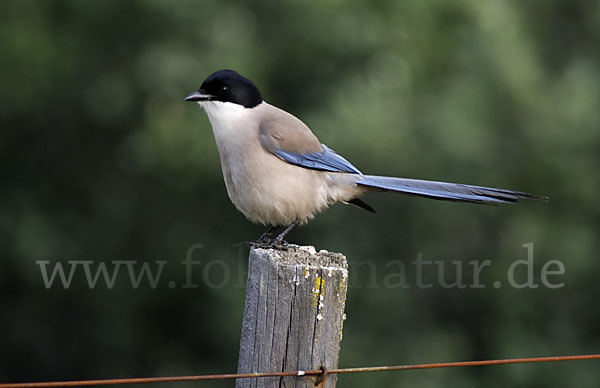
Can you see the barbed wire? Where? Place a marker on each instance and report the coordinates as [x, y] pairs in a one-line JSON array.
[[323, 372]]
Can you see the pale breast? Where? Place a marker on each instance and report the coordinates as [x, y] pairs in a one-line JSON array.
[[269, 191]]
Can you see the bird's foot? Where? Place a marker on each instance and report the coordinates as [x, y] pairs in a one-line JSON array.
[[264, 241], [272, 244], [281, 245], [267, 241]]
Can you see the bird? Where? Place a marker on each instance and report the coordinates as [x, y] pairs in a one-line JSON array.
[[277, 172]]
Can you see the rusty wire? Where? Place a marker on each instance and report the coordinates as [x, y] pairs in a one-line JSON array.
[[319, 372]]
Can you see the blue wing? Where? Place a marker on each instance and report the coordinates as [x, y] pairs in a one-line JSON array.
[[326, 160]]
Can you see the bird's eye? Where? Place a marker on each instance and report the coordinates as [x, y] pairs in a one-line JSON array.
[[224, 89]]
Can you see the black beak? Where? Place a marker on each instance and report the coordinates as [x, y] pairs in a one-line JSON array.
[[197, 96]]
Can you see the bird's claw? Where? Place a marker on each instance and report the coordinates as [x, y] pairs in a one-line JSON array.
[[281, 245], [265, 244]]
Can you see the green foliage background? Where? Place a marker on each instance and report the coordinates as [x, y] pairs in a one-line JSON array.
[[101, 159]]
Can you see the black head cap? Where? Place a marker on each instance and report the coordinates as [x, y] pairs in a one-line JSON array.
[[227, 86]]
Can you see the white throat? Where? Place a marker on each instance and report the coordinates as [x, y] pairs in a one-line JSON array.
[[226, 116], [230, 122], [219, 109]]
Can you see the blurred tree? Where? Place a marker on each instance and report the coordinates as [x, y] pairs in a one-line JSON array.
[[102, 160]]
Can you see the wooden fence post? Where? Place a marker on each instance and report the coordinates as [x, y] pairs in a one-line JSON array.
[[293, 315]]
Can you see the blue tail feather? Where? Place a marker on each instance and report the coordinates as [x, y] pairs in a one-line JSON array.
[[445, 191]]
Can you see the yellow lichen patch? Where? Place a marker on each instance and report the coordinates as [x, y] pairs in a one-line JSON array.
[[318, 290], [341, 291]]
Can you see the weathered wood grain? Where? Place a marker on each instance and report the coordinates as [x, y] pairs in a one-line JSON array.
[[293, 315]]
